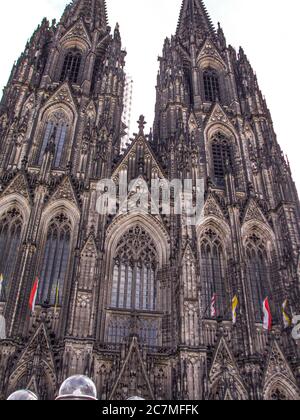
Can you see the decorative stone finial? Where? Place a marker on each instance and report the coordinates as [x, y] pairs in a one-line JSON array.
[[141, 122]]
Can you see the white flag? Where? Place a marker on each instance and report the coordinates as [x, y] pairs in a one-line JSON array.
[[267, 323], [213, 308], [2, 328], [1, 284]]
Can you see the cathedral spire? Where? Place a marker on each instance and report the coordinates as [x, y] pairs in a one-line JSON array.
[[93, 12], [194, 19]]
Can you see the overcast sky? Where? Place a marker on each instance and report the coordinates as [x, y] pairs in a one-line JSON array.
[[268, 30]]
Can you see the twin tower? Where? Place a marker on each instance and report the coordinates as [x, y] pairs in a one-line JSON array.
[[141, 302]]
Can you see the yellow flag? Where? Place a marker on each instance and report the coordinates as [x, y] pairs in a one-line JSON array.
[[235, 304], [286, 319]]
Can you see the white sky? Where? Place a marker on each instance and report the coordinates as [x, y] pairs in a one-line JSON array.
[[268, 30]]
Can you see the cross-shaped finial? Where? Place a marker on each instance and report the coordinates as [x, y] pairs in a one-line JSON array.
[[141, 122]]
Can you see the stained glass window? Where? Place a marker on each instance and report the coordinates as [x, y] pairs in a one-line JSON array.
[[213, 273], [55, 260], [10, 238]]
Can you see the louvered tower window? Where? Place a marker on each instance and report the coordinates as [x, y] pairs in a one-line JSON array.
[[71, 67], [222, 158], [55, 260], [211, 85]]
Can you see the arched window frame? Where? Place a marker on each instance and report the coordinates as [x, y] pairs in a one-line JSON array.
[[56, 115], [12, 224], [258, 261], [54, 263], [280, 388], [115, 330], [57, 126], [213, 272], [222, 157], [211, 85], [71, 66], [135, 265], [133, 305]]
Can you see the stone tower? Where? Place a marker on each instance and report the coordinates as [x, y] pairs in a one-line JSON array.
[[125, 294]]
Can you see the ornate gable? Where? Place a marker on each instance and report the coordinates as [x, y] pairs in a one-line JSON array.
[[64, 191], [18, 185], [139, 141], [218, 115], [277, 365], [223, 357], [133, 376], [212, 208], [78, 31], [40, 339], [224, 364], [253, 212], [210, 51], [37, 357], [62, 95]]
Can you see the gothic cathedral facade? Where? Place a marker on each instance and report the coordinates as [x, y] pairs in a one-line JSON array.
[[126, 298]]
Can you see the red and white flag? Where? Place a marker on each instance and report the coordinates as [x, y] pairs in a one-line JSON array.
[[33, 295], [213, 306], [267, 315]]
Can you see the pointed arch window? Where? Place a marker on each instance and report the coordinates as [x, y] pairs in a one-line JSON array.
[[211, 85], [71, 66], [134, 272], [55, 260], [258, 273], [11, 224], [213, 273], [221, 157], [56, 129]]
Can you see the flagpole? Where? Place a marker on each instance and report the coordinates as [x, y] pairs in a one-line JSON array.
[[33, 296], [224, 312], [208, 306], [227, 310], [267, 319], [56, 296], [1, 285], [287, 320]]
